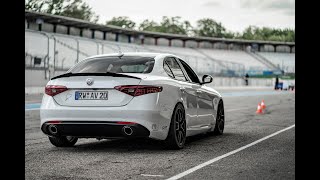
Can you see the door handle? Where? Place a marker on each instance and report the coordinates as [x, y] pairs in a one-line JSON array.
[[182, 89], [198, 91]]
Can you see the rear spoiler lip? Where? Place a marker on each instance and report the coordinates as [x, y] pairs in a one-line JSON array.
[[94, 74]]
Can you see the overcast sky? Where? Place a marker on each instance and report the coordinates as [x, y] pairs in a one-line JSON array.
[[235, 15]]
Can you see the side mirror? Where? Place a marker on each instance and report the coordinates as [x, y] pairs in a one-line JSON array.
[[206, 79]]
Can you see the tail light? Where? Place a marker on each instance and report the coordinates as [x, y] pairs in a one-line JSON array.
[[138, 90], [53, 90], [54, 122]]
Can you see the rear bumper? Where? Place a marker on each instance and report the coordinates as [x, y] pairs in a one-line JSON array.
[[98, 129], [143, 111]]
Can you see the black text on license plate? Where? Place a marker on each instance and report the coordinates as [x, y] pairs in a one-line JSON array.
[[91, 95]]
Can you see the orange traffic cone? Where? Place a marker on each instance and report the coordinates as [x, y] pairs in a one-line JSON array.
[[263, 106], [259, 109]]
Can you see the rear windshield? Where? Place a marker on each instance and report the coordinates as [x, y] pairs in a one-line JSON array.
[[125, 64]]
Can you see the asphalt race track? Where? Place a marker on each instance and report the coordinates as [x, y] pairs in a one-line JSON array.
[[270, 158]]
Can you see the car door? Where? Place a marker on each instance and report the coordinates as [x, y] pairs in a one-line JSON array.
[[188, 92], [204, 98], [205, 104]]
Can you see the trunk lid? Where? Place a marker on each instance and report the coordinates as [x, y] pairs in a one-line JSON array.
[[100, 92]]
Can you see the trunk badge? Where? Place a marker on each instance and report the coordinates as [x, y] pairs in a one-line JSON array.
[[89, 81]]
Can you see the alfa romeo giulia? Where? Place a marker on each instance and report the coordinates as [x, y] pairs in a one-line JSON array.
[[130, 95]]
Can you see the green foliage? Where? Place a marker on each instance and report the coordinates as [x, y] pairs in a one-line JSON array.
[[206, 27], [71, 8], [122, 21], [147, 25], [80, 10], [34, 5], [210, 28], [172, 25], [268, 34]]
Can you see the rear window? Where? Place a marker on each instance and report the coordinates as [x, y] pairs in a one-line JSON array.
[[125, 64]]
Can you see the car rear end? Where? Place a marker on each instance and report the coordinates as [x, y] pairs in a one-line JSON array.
[[103, 97]]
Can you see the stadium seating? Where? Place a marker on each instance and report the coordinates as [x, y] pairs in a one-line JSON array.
[[235, 56], [201, 60], [285, 61]]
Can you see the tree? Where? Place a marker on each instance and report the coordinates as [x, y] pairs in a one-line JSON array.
[[168, 25], [147, 25], [188, 28], [80, 10], [55, 7], [210, 28], [71, 8], [248, 33], [34, 5], [268, 34], [122, 21], [173, 25], [205, 27]]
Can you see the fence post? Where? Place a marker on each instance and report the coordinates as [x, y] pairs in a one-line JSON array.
[[45, 70], [77, 50], [54, 55]]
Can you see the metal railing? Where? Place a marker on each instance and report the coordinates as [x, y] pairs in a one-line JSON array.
[[70, 53]]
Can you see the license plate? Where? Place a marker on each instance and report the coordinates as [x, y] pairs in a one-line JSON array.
[[91, 95]]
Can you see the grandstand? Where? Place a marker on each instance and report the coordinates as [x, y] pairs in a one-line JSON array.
[[284, 61], [237, 57], [60, 50]]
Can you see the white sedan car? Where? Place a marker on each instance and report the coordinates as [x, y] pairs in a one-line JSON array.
[[130, 95]]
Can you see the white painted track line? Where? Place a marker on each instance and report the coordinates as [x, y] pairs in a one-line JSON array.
[[32, 109], [238, 109], [178, 176], [151, 175]]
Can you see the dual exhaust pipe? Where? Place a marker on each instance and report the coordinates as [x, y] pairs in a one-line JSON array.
[[53, 129], [127, 130]]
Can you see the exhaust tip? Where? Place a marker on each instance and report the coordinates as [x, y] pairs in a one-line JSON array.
[[127, 130], [53, 129]]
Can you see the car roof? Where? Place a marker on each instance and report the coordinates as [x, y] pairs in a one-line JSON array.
[[144, 54]]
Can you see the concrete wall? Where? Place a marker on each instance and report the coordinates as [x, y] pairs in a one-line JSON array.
[[74, 31], [47, 27], [220, 45], [283, 49], [267, 48], [98, 35], [111, 36], [176, 43], [191, 43], [163, 42], [205, 44], [61, 29], [236, 47], [148, 41], [86, 33]]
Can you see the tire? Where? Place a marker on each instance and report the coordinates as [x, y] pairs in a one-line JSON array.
[[177, 132], [219, 127], [63, 141]]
